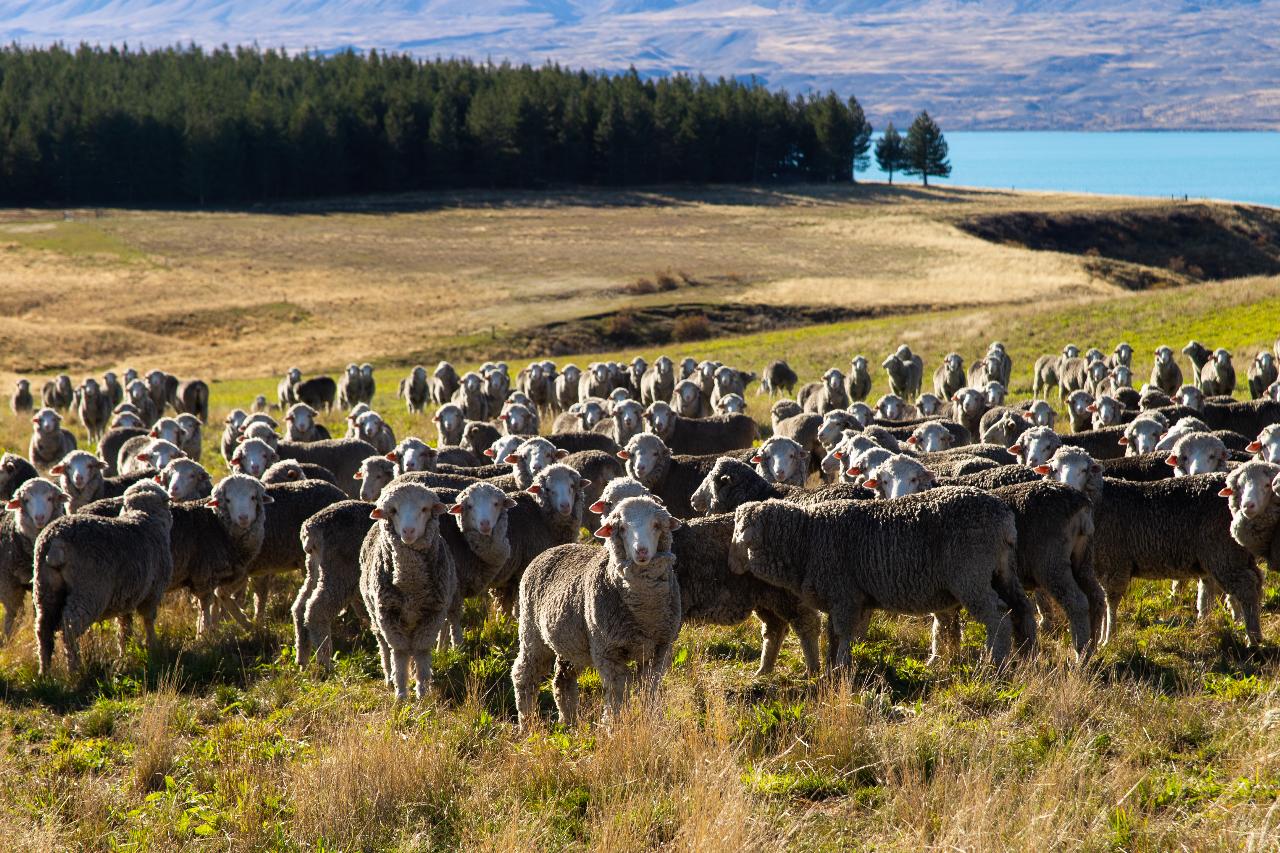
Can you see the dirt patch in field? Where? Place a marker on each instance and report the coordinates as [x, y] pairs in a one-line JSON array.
[[1144, 248], [221, 324]]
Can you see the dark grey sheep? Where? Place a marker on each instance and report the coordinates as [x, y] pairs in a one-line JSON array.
[[776, 377], [49, 441], [317, 392], [731, 483], [924, 553], [14, 471], [444, 383], [1198, 354], [331, 540], [342, 456], [21, 401], [1262, 373], [192, 398], [292, 471], [697, 436], [1166, 375], [89, 568]]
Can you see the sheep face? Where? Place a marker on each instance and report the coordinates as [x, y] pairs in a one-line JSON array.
[[235, 419], [996, 394], [620, 488], [1142, 436], [629, 417], [1267, 445], [953, 362], [644, 454], [688, 398], [127, 420], [36, 503], [1191, 397], [1198, 453], [834, 379], [77, 468], [374, 475], [1122, 377], [1249, 489], [1036, 446], [1107, 411], [1071, 351], [1072, 467], [781, 460], [366, 372], [166, 429], [589, 413], [535, 455], [449, 422], [480, 507], [864, 462], [731, 404], [1097, 371], [252, 456], [1041, 414], [1078, 402], [663, 366], [833, 426], [858, 366], [301, 419], [899, 476], [294, 376], [930, 438], [641, 526], [1094, 354], [891, 407], [929, 405], [1124, 354], [239, 499], [504, 446], [971, 401], [559, 488], [413, 454], [46, 422], [660, 418], [409, 511], [864, 413], [1223, 358], [1163, 356]]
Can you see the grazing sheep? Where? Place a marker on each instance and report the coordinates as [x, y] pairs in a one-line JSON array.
[[781, 460], [112, 388], [138, 395], [113, 443], [782, 410], [284, 390], [253, 457], [996, 393], [603, 607], [30, 507], [49, 441], [349, 387], [89, 568], [834, 425], [1036, 446], [332, 540], [1097, 377], [93, 409], [182, 479], [1218, 376], [906, 372], [776, 377], [730, 382], [924, 553], [1262, 373], [949, 377], [716, 434], [596, 381], [124, 420], [981, 372], [301, 425], [190, 435], [14, 471], [21, 400], [317, 392], [1073, 375], [858, 382], [933, 437], [827, 396], [1199, 355], [449, 424], [342, 456], [730, 483], [407, 582], [470, 397], [1173, 529], [1045, 375]]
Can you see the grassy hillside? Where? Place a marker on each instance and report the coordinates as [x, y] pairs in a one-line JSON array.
[[1168, 738]]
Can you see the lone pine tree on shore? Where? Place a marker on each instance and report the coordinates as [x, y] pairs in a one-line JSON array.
[[891, 152], [926, 150]]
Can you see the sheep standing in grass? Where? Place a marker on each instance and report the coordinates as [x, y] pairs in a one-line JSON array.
[[444, 383], [93, 409], [1198, 355], [21, 401], [470, 397], [949, 377], [415, 390], [776, 377], [1166, 375], [301, 424], [407, 582], [1218, 376], [33, 504], [968, 405], [687, 400], [1255, 509], [924, 553], [605, 607], [858, 382], [89, 568], [1262, 373], [565, 389], [49, 441], [58, 393], [826, 396]]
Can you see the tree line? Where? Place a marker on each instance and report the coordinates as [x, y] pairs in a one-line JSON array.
[[245, 125]]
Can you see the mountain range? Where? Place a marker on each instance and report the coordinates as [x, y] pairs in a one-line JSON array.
[[974, 64]]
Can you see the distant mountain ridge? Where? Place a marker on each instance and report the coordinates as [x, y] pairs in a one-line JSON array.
[[1090, 64]]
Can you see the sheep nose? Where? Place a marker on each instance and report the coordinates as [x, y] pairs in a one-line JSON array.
[[409, 534], [242, 519], [485, 526], [565, 509], [642, 555]]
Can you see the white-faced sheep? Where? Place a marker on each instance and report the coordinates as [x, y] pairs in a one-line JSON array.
[[301, 425], [1166, 375], [924, 553], [929, 405], [781, 460], [1255, 509], [1262, 373], [828, 395], [950, 376], [49, 441], [89, 568], [407, 582], [1266, 447], [1218, 376], [605, 607], [1197, 453], [625, 420], [1142, 434], [32, 505], [968, 405], [730, 404]]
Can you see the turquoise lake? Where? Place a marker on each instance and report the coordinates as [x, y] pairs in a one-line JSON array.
[[1235, 166]]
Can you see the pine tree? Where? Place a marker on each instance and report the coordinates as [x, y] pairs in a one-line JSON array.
[[926, 150], [891, 152], [862, 131]]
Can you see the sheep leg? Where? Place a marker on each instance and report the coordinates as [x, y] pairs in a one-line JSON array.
[[808, 627], [652, 670], [125, 623], [400, 673], [384, 652], [301, 636], [565, 690], [532, 663], [148, 615], [1115, 588], [1244, 585], [1062, 587], [843, 627], [986, 607], [11, 596], [261, 590], [773, 630], [614, 676], [946, 635], [422, 665], [1087, 579]]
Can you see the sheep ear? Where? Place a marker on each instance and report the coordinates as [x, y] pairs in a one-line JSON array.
[[604, 532], [154, 433], [1253, 446], [871, 484], [211, 503], [456, 509], [1172, 461], [757, 458], [1027, 416], [561, 453], [377, 512], [854, 471], [1092, 407], [535, 489], [158, 478], [1041, 469], [512, 459], [597, 507], [674, 523], [488, 451], [509, 503], [1226, 492], [359, 475], [913, 440], [58, 469], [393, 456], [438, 509], [14, 503], [585, 483], [622, 454], [435, 418], [1122, 440], [838, 454], [289, 418], [144, 457], [1015, 449]]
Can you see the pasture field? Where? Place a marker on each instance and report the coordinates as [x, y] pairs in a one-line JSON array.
[[1168, 739]]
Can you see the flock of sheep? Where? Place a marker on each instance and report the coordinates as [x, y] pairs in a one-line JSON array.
[[955, 500]]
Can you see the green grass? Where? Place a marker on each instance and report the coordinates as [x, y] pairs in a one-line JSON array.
[[74, 239]]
